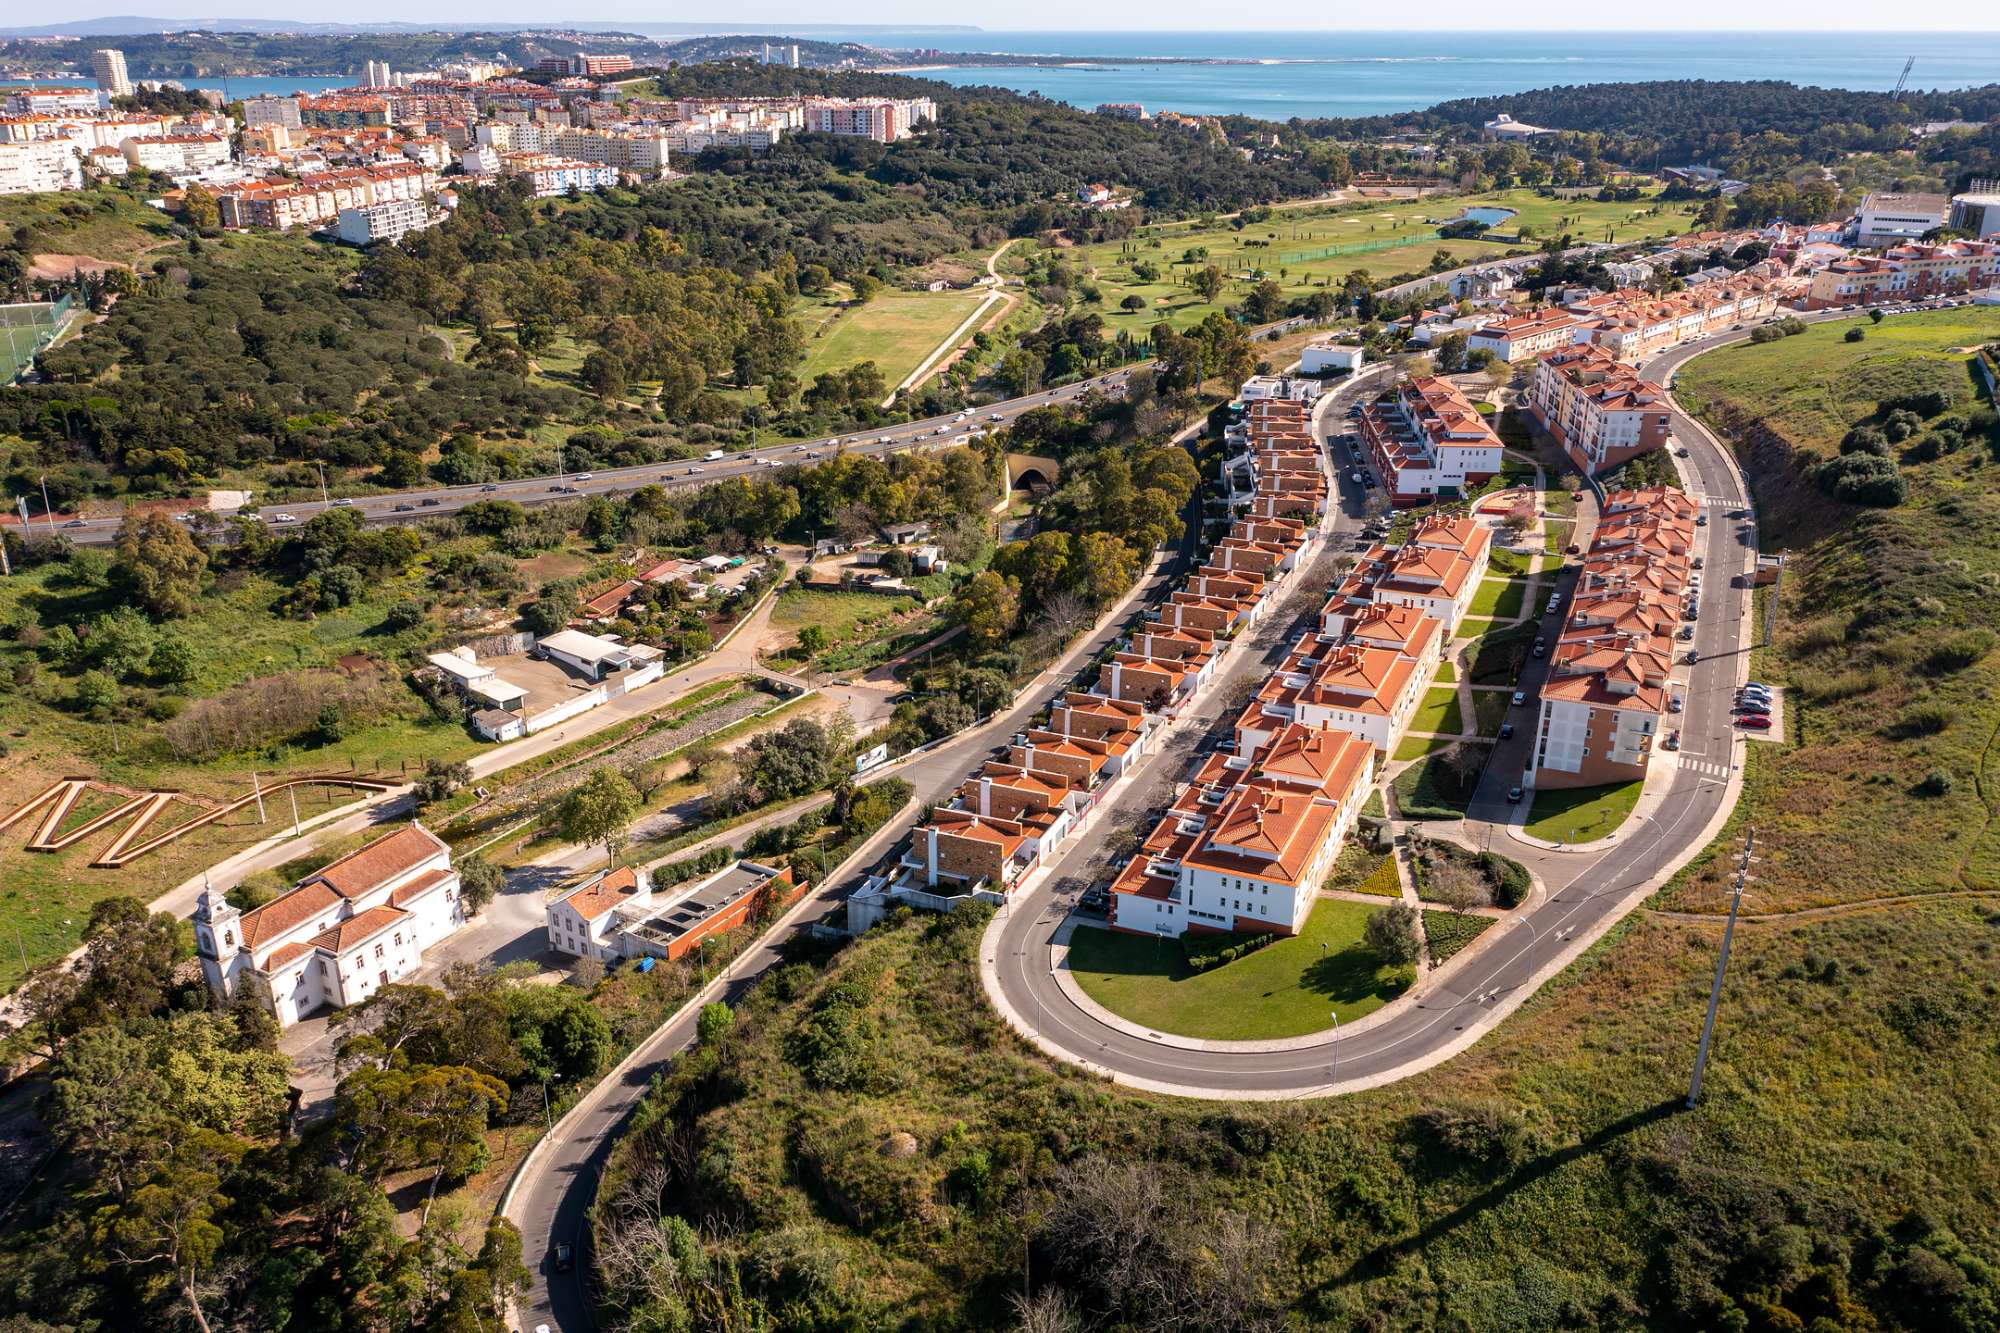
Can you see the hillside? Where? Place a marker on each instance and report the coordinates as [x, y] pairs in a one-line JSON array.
[[1888, 620]]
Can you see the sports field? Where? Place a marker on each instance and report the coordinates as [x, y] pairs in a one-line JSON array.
[[896, 331]]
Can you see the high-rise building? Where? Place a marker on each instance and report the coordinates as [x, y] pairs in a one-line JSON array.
[[786, 53], [109, 67], [380, 75]]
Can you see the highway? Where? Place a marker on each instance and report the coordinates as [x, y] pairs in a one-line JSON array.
[[1587, 890], [429, 502]]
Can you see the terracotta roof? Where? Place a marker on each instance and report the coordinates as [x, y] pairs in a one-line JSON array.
[[608, 891], [286, 913], [288, 953], [380, 861], [405, 894], [358, 929]]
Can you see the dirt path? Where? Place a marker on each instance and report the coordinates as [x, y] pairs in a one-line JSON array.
[[1829, 911]]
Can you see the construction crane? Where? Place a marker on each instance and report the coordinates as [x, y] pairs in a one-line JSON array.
[[1903, 82]]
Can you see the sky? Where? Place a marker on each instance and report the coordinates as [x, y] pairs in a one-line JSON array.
[[1105, 15]]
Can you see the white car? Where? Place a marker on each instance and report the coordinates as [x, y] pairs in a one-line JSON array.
[[284, 518], [886, 439]]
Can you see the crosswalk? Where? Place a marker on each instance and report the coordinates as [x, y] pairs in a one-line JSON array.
[[1708, 768], [1721, 502]]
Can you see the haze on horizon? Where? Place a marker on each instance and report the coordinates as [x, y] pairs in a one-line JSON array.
[[1123, 15]]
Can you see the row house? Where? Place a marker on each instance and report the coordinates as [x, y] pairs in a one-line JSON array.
[[1247, 844], [176, 154], [316, 200], [1632, 324], [1906, 273], [1529, 333], [1608, 687], [340, 934], [1428, 441], [1436, 571], [1600, 410]]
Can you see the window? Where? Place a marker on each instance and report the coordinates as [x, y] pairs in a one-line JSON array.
[[378, 951]]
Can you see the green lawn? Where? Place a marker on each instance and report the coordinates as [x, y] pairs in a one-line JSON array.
[[863, 629], [1286, 989], [1581, 814], [896, 331], [1286, 246], [1500, 598], [1428, 790], [1555, 535], [1474, 627], [1416, 747], [1447, 672], [1438, 712]]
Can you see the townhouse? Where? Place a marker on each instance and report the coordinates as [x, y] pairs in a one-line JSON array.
[[1528, 333], [341, 934], [1609, 688], [316, 200], [1436, 571], [1248, 843], [1598, 409], [1632, 325], [1428, 441], [1906, 273]]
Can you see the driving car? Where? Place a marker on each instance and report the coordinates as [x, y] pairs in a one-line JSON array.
[[344, 500], [403, 508], [583, 476], [75, 523], [284, 518], [565, 1256], [489, 486], [1755, 721], [430, 502]]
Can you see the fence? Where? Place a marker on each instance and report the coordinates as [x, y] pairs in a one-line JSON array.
[[25, 329], [1358, 248]]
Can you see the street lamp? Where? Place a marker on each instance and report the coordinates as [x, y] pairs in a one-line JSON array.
[[548, 1121], [1333, 1049]]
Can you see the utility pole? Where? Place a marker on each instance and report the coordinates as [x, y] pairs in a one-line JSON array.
[[257, 790], [1721, 965], [322, 482], [48, 512]]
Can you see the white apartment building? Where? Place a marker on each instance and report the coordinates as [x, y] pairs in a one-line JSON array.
[[40, 167], [109, 67], [52, 101], [176, 154], [262, 111], [344, 932], [884, 120], [390, 221]]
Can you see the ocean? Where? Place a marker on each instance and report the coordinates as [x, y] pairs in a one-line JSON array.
[[231, 87], [1308, 74], [1279, 75]]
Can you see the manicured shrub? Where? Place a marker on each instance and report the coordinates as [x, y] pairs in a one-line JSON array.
[[1855, 334]]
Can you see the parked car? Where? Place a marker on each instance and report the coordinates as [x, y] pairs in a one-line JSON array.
[[1755, 721], [1572, 549], [1675, 703], [1687, 633], [1095, 900], [1682, 451], [1520, 697], [1673, 740], [1541, 649], [1697, 562], [1701, 520], [1514, 795], [1692, 657], [1506, 731]]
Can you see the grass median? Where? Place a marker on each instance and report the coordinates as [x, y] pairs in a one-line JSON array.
[[1581, 814]]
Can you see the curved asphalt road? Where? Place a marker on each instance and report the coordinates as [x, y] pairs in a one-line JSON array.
[[1586, 891]]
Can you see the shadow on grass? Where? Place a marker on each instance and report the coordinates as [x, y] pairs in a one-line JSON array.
[[1382, 1259]]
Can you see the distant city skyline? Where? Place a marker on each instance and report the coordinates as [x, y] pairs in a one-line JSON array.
[[1127, 16]]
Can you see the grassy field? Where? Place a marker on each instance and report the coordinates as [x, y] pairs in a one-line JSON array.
[[1811, 388], [1581, 814], [1448, 932], [1285, 989], [1284, 247], [1887, 624], [896, 331], [101, 222]]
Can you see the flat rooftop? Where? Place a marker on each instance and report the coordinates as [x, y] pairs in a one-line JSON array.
[[682, 915]]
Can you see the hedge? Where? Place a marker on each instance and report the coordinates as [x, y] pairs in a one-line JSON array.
[[1202, 952], [1509, 879]]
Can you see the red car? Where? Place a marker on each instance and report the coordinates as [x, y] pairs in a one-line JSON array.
[[1755, 721]]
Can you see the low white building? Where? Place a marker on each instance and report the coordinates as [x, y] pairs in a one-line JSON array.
[[176, 154], [341, 934], [592, 655], [584, 923]]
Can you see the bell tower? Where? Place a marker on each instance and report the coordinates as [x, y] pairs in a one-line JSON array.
[[218, 940]]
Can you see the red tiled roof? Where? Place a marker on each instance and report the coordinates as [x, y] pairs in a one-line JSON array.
[[380, 861]]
